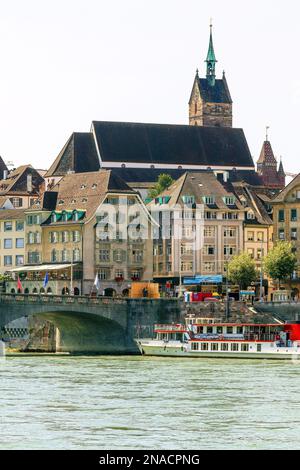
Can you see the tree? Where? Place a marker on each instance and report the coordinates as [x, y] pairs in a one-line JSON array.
[[164, 181], [241, 270], [280, 262]]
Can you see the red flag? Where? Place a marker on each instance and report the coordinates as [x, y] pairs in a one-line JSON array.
[[19, 285]]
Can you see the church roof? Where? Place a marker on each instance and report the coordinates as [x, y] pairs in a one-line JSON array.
[[218, 93], [138, 143], [78, 155]]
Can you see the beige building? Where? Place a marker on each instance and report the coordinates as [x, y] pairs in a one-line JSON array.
[[286, 218], [211, 219], [12, 242], [89, 224]]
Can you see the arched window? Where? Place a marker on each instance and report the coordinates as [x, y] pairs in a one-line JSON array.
[[42, 290], [34, 291], [196, 108], [76, 291], [26, 291], [49, 290], [12, 291], [65, 291]]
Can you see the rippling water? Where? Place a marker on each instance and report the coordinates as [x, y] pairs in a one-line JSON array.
[[154, 403]]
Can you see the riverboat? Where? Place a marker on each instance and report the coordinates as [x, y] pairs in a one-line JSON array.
[[225, 340]]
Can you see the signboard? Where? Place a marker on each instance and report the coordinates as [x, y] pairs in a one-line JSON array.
[[247, 292], [189, 281]]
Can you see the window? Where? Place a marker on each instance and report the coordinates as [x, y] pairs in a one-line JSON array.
[[229, 232], [214, 347], [250, 215], [239, 330], [204, 346], [245, 347], [229, 330], [65, 236], [76, 236], [294, 215], [235, 347], [137, 256], [19, 242], [210, 215], [230, 216], [220, 330], [34, 257], [76, 254], [187, 266], [209, 250], [260, 236], [103, 274], [53, 237], [294, 234], [209, 232], [7, 243], [104, 255], [250, 236], [209, 267], [188, 199], [19, 225], [195, 346], [281, 234], [209, 200], [64, 255], [260, 253], [119, 274], [16, 201], [250, 252], [224, 347], [53, 256], [229, 200], [209, 330], [229, 250], [258, 347], [19, 260], [7, 260], [281, 215], [7, 226]]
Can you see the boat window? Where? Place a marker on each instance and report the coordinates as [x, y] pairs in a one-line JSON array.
[[214, 347], [220, 330], [229, 330], [200, 329], [245, 347], [224, 347], [235, 347], [210, 329], [258, 347], [239, 330], [204, 346], [195, 346]]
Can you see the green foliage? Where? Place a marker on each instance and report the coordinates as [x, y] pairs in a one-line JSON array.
[[164, 181], [241, 270], [280, 262]]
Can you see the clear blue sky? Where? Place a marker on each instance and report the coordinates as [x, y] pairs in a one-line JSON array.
[[64, 63]]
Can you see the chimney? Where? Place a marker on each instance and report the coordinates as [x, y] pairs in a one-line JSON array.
[[29, 183], [225, 176], [5, 174]]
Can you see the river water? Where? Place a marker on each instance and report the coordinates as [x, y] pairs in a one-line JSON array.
[[148, 403]]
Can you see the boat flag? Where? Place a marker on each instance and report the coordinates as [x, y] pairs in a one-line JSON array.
[[19, 285], [46, 280], [97, 282]]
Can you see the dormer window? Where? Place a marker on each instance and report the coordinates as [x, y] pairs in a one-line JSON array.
[[61, 202], [75, 216], [53, 218], [209, 200], [83, 186], [250, 215], [188, 199], [84, 200], [94, 186], [73, 201], [229, 200]]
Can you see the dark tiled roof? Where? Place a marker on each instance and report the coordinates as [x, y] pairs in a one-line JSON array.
[[267, 155], [16, 182], [78, 155], [219, 93], [172, 144]]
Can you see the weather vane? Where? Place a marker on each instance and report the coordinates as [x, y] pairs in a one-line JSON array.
[[267, 132]]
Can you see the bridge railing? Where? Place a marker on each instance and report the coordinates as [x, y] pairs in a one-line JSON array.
[[59, 299]]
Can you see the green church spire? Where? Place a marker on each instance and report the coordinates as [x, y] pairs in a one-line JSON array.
[[211, 61]]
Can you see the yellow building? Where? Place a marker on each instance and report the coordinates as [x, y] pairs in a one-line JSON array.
[[286, 218], [12, 242]]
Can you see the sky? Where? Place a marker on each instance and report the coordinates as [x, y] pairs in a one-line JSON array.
[[65, 63]]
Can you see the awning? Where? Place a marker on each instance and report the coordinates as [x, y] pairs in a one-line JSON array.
[[42, 267]]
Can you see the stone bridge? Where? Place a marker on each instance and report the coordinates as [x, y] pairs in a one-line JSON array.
[[93, 325]]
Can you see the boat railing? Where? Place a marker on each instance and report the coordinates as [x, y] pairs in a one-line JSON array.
[[260, 337], [169, 327]]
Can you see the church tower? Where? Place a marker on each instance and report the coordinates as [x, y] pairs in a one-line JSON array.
[[267, 167], [210, 102]]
